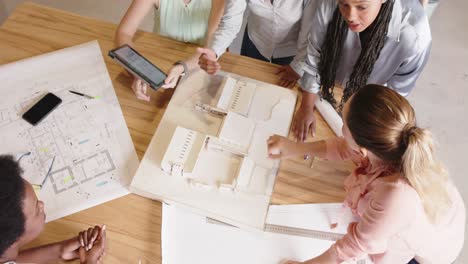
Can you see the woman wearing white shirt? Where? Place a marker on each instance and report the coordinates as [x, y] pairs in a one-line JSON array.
[[276, 32]]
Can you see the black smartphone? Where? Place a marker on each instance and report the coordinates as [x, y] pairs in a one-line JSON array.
[[138, 65], [41, 109]]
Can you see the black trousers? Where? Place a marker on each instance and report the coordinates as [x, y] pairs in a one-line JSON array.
[[413, 261], [248, 49]]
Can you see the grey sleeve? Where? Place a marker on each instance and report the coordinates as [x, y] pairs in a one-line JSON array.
[[320, 17], [404, 79], [229, 26], [298, 63]]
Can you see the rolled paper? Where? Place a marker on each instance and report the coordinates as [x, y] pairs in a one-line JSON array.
[[331, 116]]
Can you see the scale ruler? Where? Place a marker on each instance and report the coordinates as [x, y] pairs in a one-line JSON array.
[[287, 230], [294, 231]]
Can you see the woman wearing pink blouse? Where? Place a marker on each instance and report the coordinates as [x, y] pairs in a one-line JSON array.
[[409, 210]]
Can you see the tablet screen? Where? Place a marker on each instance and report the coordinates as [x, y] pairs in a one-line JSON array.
[[140, 65]]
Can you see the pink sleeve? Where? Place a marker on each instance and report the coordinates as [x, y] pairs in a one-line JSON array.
[[338, 149], [389, 210]]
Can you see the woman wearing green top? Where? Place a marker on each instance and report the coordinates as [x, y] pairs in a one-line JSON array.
[[191, 21]]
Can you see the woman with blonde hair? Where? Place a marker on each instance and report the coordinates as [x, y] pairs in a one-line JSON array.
[[409, 210]]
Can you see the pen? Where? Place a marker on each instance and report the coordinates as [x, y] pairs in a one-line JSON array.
[[23, 155], [82, 94], [38, 187], [48, 172]]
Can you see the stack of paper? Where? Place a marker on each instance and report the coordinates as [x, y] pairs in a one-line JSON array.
[[190, 238]]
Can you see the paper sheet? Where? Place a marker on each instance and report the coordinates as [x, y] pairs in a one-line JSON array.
[[317, 217], [188, 238], [94, 155]]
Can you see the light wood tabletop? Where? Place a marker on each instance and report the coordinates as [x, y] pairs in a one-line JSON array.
[[134, 222]]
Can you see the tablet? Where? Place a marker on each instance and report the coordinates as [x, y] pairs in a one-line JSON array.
[[138, 65]]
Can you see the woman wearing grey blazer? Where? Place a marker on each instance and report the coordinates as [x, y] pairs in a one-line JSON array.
[[355, 42], [352, 43]]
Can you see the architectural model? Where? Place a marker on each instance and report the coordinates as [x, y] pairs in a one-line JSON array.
[[209, 153]]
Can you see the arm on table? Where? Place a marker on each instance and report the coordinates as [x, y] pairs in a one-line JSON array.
[[330, 149], [304, 120], [88, 241]]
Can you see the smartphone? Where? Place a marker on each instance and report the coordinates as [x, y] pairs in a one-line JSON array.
[[138, 65], [42, 108]]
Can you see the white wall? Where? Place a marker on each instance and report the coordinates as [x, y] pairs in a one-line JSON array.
[[3, 12], [108, 10], [441, 95]]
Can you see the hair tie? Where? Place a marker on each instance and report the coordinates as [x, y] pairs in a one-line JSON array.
[[407, 132]]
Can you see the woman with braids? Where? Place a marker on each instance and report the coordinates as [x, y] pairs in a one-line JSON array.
[[409, 211], [355, 42]]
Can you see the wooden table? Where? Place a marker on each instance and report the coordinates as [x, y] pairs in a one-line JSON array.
[[134, 222]]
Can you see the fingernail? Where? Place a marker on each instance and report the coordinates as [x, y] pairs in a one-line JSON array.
[[104, 227]]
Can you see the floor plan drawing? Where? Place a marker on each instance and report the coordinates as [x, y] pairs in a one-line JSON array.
[[85, 170], [88, 140]]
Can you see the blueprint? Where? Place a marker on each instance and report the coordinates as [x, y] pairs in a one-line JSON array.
[[88, 140]]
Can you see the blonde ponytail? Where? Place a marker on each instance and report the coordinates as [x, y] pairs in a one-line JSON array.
[[424, 172], [383, 122]]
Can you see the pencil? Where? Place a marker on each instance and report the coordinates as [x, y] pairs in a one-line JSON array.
[[48, 172], [82, 94]]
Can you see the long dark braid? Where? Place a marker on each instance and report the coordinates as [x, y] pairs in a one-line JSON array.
[[332, 47], [330, 54]]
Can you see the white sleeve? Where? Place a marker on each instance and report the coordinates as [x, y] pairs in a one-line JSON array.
[[298, 62], [229, 26], [321, 16], [404, 79]]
